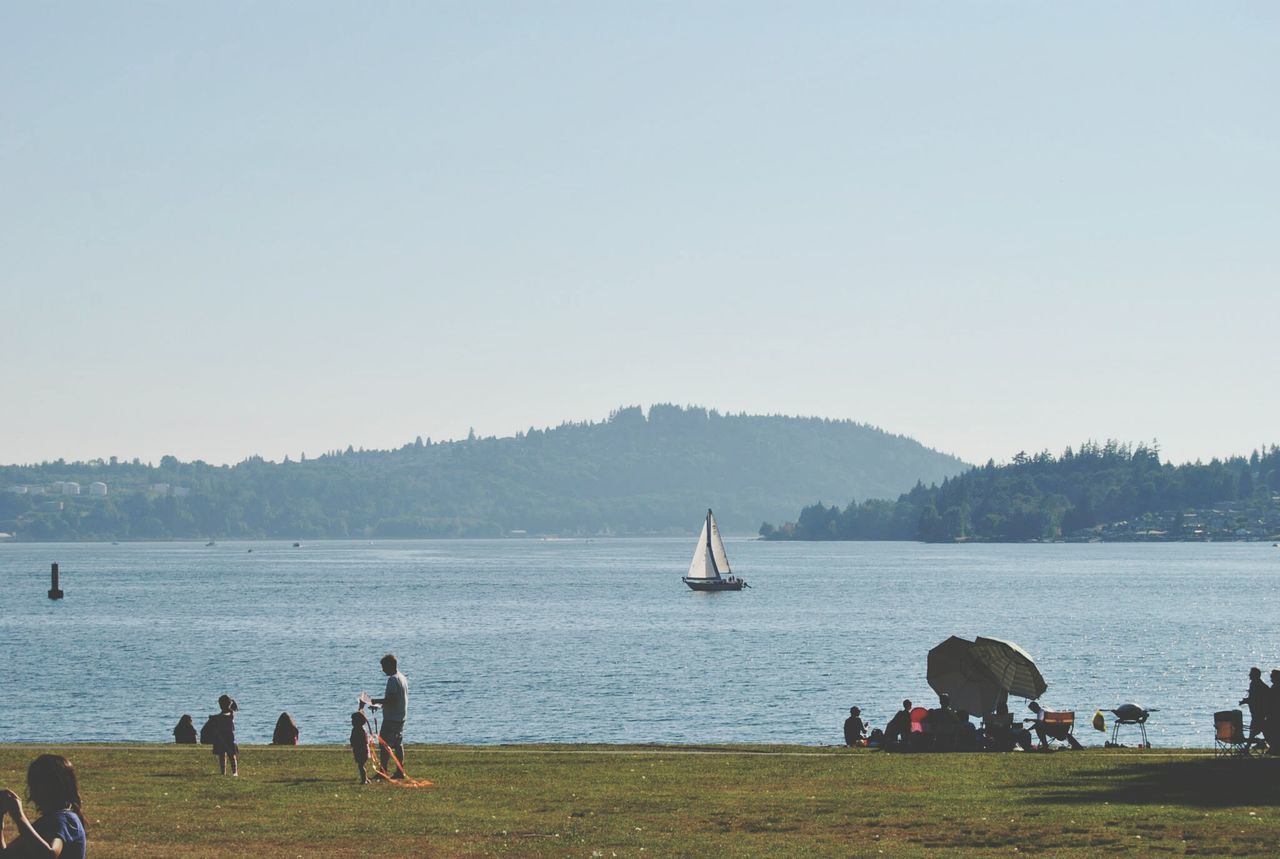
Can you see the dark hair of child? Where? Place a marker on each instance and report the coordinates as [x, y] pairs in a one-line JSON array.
[[52, 785]]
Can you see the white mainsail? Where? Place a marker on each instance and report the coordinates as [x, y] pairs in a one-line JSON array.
[[703, 565], [717, 547]]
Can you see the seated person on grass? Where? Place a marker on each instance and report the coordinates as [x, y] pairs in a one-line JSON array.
[[967, 740], [286, 732], [854, 728], [184, 733], [943, 717], [897, 734], [942, 726]]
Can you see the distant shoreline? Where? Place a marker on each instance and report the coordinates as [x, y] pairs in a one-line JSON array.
[[285, 542]]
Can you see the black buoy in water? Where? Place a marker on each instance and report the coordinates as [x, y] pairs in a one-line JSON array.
[[55, 592]]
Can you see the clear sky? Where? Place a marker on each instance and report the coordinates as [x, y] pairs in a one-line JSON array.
[[237, 228]]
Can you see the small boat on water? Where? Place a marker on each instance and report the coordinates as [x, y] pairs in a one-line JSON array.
[[709, 570]]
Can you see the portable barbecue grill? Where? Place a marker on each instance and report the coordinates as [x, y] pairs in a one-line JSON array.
[[1130, 714]]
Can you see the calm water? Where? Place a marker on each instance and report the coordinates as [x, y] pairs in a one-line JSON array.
[[519, 641]]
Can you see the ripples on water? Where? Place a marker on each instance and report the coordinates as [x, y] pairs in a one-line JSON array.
[[598, 641]]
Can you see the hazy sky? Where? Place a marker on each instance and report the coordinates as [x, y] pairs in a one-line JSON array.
[[271, 228]]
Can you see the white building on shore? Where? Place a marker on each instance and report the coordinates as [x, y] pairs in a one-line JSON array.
[[97, 488]]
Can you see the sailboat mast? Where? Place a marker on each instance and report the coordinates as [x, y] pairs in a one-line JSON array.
[[711, 555]]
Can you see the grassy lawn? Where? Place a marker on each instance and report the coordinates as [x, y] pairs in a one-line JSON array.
[[144, 801]]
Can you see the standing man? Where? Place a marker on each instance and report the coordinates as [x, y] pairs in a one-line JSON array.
[[1271, 722], [1259, 703], [395, 705]]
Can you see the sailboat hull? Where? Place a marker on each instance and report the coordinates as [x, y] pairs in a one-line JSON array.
[[714, 584]]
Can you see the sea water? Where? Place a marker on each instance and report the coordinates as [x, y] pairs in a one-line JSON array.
[[517, 641]]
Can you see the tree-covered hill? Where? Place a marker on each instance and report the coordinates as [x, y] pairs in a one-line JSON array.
[[634, 473], [1111, 491]]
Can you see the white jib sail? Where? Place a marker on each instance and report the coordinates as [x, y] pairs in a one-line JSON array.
[[717, 549], [703, 565]]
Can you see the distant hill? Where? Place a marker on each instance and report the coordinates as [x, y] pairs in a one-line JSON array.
[[1100, 492], [630, 474]]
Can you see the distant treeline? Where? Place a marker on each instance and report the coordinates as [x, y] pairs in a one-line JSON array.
[[634, 473], [1043, 497]]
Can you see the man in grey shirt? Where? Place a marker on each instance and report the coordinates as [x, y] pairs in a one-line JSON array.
[[395, 706]]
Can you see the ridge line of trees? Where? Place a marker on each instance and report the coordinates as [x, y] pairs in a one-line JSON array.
[[1043, 497], [636, 472]]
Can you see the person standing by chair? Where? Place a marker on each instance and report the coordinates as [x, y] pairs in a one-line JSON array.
[[395, 708], [1259, 702], [1271, 719]]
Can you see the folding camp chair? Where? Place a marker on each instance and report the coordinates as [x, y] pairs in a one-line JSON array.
[[1229, 740], [1058, 724]]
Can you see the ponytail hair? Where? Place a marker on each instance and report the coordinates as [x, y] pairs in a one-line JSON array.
[[52, 785]]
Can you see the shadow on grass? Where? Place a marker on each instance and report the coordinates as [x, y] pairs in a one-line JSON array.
[[301, 781], [1200, 783]]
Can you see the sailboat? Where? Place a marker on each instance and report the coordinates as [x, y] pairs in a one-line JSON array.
[[709, 570]]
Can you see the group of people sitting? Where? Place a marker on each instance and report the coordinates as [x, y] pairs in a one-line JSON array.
[[945, 728], [285, 734]]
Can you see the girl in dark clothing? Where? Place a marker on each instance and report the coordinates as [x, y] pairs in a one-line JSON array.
[[223, 729], [360, 744]]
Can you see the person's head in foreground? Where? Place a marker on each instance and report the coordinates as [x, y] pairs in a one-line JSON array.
[[357, 719], [53, 789], [906, 705], [854, 711], [227, 704], [1255, 673], [52, 785], [389, 665], [1034, 707]]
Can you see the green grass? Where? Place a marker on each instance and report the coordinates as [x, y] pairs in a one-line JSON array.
[[530, 801]]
